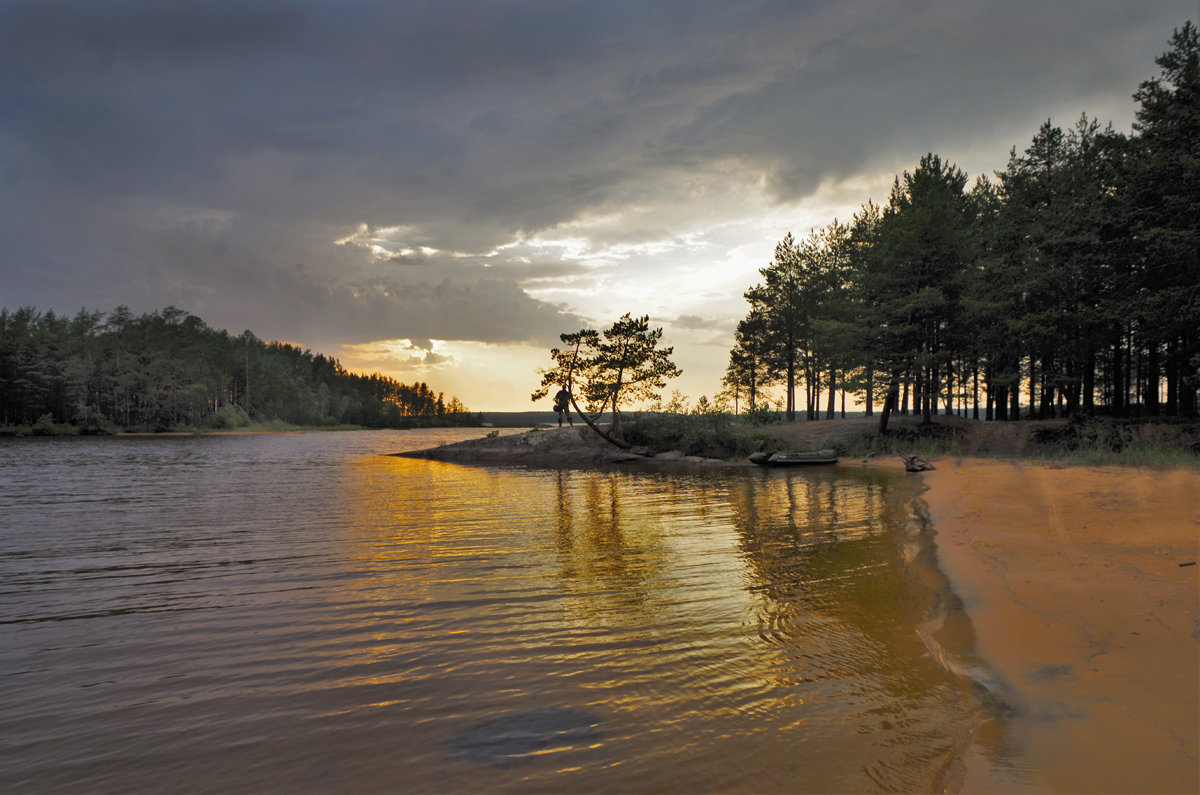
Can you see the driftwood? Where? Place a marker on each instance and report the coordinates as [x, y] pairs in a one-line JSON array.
[[914, 463]]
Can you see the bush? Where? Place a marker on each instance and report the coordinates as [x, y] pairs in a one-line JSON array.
[[711, 435], [762, 414], [927, 440], [44, 426], [89, 420], [1099, 441], [228, 417]]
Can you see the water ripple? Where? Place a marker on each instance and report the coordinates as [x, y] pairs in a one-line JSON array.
[[303, 613]]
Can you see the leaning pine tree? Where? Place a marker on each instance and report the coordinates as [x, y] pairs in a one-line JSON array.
[[620, 367]]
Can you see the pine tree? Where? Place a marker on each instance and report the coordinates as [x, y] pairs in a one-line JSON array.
[[1164, 212]]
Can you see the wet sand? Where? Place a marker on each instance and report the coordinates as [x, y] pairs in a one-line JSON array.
[[1082, 593]]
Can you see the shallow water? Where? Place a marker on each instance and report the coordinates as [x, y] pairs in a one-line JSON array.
[[301, 612]]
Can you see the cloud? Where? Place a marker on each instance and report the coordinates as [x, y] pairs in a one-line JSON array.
[[499, 172], [382, 307], [403, 358]]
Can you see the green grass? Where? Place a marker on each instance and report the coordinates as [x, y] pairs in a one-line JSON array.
[[1150, 454], [1110, 442], [711, 435], [926, 441], [1094, 442]]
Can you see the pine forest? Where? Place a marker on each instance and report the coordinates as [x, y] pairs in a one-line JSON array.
[[1067, 286], [170, 370]]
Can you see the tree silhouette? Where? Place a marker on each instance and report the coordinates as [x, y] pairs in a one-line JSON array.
[[620, 367]]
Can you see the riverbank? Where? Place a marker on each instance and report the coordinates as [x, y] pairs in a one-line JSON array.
[[1081, 588], [574, 445]]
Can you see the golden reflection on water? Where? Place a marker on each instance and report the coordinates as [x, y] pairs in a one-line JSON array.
[[300, 613], [747, 630]]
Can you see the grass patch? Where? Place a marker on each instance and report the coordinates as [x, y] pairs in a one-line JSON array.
[[928, 441], [1110, 442], [710, 434], [1148, 455]]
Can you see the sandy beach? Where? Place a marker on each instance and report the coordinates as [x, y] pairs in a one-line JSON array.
[[1081, 589]]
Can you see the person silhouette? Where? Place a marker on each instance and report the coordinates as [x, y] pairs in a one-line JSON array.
[[562, 406]]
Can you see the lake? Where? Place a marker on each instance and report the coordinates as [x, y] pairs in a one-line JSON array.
[[305, 613]]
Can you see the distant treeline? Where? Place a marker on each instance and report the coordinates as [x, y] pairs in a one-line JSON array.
[[169, 369]]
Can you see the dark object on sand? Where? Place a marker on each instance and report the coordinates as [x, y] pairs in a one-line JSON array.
[[788, 458], [914, 463]]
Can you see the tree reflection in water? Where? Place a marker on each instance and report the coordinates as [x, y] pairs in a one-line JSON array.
[[707, 618]]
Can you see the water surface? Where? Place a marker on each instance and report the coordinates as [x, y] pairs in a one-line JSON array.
[[301, 612]]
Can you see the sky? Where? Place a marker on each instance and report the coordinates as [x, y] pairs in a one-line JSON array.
[[436, 190]]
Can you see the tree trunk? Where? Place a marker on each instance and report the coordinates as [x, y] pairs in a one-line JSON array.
[[929, 395], [1047, 402], [1127, 390], [1187, 388], [791, 382], [888, 403], [989, 382], [1014, 394], [813, 374], [1088, 398], [975, 392], [948, 401], [1032, 387], [870, 399], [918, 391], [1072, 388], [829, 406], [1115, 402], [1172, 374], [1153, 375], [606, 436]]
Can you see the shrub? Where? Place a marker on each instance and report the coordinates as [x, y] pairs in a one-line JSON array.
[[1099, 441], [929, 441], [89, 420], [44, 426], [228, 417], [762, 414], [711, 435]]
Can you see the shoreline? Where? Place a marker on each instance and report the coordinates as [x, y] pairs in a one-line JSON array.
[[556, 447], [1070, 606], [1079, 590]]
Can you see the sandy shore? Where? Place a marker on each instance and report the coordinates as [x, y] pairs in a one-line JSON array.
[[1082, 592]]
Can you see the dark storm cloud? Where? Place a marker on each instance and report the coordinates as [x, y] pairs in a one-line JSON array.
[[197, 153]]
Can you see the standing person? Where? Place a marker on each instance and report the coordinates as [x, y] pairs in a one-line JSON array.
[[562, 406]]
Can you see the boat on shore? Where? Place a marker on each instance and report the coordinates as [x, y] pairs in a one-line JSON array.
[[787, 458]]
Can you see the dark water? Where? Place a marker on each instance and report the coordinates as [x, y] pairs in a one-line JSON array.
[[302, 613]]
